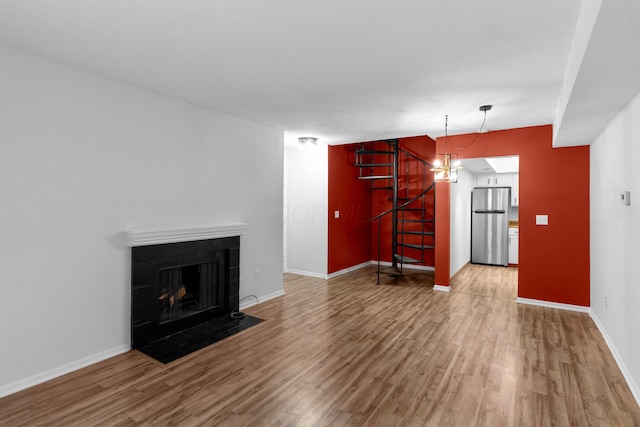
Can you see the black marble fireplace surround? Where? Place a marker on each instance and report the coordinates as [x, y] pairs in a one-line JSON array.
[[158, 311]]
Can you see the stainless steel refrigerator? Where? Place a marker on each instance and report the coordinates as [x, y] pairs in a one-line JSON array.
[[490, 226]]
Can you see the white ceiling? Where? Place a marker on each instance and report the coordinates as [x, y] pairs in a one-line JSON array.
[[343, 71], [503, 164], [476, 166]]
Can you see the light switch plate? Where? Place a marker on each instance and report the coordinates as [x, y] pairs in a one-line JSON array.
[[542, 219], [336, 214]]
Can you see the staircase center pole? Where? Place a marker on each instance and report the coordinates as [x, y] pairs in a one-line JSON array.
[[394, 214]]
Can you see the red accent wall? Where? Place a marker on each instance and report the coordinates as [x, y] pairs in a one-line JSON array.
[[554, 260], [353, 238], [350, 235]]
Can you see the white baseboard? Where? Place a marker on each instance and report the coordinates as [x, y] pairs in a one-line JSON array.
[[250, 302], [307, 273], [349, 270], [441, 288], [550, 304], [356, 267], [635, 390], [61, 370], [405, 266]]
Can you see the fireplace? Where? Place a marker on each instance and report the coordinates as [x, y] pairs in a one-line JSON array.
[[177, 285], [189, 289]]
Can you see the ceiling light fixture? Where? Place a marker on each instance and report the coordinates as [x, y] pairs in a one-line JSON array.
[[446, 166], [304, 140]]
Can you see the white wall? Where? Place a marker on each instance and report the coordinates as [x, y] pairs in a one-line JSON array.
[[460, 237], [306, 219], [83, 158], [615, 239], [513, 213]]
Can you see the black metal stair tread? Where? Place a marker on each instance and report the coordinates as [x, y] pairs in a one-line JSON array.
[[376, 177], [406, 199], [366, 165], [404, 186], [374, 152], [407, 260], [417, 220], [413, 246], [418, 233], [382, 188]]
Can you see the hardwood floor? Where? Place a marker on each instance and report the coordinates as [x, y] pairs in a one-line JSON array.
[[488, 281], [348, 352]]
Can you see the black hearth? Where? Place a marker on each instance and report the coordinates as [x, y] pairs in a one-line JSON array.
[[177, 286]]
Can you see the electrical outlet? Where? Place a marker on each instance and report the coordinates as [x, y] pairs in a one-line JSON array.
[[258, 274], [606, 302], [626, 198]]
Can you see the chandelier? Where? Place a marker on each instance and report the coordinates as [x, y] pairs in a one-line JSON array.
[[445, 168], [446, 165]]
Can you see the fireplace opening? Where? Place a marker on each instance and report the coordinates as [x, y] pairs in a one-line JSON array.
[[187, 290]]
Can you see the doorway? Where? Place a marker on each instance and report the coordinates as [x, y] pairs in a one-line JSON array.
[[500, 171]]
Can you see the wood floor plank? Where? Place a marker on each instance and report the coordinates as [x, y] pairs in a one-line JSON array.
[[346, 352]]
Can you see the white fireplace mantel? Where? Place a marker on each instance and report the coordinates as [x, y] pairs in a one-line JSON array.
[[156, 236]]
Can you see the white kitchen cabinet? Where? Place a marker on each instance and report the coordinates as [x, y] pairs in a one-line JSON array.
[[494, 180], [513, 246], [503, 179], [484, 180], [515, 190]]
